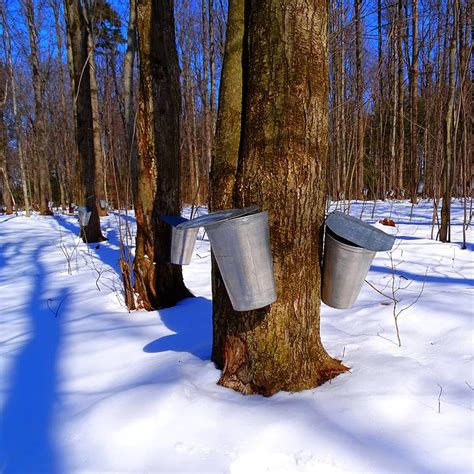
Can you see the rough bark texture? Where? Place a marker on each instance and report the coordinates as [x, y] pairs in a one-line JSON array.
[[359, 164], [128, 63], [401, 99], [100, 165], [444, 231], [16, 116], [158, 283], [414, 106], [63, 169], [78, 40], [282, 168], [4, 178], [44, 184], [225, 159]]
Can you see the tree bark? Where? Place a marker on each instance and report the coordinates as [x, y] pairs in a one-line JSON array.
[[282, 169], [16, 115], [401, 101], [128, 63], [44, 187], [414, 105], [359, 97], [158, 283], [100, 164], [4, 178], [78, 40], [225, 159], [444, 231], [64, 169]]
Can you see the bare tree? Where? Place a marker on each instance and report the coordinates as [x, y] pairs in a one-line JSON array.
[[158, 283], [445, 230], [16, 115], [78, 34], [44, 183], [4, 178]]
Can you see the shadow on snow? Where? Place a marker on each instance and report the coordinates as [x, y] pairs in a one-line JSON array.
[[191, 320], [26, 434]]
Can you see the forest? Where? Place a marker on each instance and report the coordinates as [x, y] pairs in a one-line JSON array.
[[154, 106], [400, 99], [236, 236]]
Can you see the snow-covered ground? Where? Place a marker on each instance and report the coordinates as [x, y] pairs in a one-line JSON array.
[[87, 387]]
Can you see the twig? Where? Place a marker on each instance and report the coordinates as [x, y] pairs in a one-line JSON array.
[[439, 397], [396, 313], [55, 311], [378, 291]]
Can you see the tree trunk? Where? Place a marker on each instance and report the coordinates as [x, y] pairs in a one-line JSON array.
[[64, 168], [206, 103], [4, 178], [359, 97], [76, 192], [282, 168], [16, 116], [128, 63], [100, 164], [44, 188], [225, 159], [401, 102], [78, 33], [212, 71], [342, 96], [158, 283], [444, 231], [393, 132], [129, 116], [414, 105]]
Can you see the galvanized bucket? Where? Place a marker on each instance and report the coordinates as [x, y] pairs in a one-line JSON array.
[[182, 240], [218, 216], [344, 270], [349, 249], [182, 245], [241, 246], [84, 215]]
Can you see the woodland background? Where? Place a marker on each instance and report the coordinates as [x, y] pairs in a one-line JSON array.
[[401, 99]]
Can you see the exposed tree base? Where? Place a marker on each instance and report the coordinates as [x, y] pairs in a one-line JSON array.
[[221, 312], [158, 286], [127, 285], [91, 238], [239, 378]]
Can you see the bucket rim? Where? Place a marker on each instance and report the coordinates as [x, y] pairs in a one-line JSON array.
[[359, 232], [238, 220], [173, 221], [349, 248], [218, 216]]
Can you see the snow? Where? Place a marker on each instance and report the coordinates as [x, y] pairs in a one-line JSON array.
[[87, 387]]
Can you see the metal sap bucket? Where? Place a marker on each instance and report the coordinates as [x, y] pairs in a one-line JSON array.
[[349, 249], [241, 247], [84, 215], [240, 241], [182, 240]]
